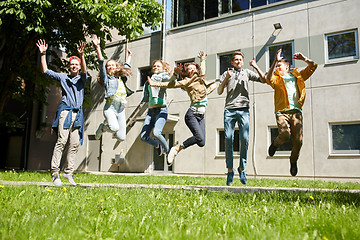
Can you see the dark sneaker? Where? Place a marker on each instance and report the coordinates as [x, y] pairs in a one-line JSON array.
[[293, 169], [56, 179], [272, 150], [230, 177], [242, 175], [160, 150], [70, 178]]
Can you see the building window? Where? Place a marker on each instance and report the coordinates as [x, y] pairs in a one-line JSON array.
[[283, 149], [224, 63], [342, 46], [236, 143], [345, 138], [287, 52], [189, 11], [144, 73]]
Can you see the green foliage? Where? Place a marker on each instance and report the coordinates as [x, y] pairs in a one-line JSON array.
[[62, 23]]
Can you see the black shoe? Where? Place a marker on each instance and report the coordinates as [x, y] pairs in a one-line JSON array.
[[293, 169], [272, 150]]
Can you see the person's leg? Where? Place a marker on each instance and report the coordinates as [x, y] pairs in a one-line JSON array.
[[63, 135], [110, 114], [160, 120], [121, 118], [243, 118], [296, 124], [147, 128], [282, 120], [193, 121], [229, 126]]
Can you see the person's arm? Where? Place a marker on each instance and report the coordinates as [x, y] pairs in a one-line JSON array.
[[42, 49], [171, 84], [223, 83], [128, 57], [311, 65], [272, 68], [96, 42], [81, 48], [202, 57], [258, 70]]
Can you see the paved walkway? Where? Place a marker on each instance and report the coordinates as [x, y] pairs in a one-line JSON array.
[[237, 189]]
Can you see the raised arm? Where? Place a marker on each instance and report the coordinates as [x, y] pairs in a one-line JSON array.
[[202, 57], [128, 56], [300, 56], [81, 48], [96, 42], [258, 70], [272, 68], [42, 49], [309, 70], [222, 85]]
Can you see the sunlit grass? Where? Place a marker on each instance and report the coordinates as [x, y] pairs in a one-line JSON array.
[[34, 212], [178, 180]]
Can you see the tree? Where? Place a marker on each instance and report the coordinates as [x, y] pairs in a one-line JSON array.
[[62, 23]]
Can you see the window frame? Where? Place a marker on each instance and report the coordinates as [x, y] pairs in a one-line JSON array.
[[218, 73], [139, 86], [344, 153], [218, 152], [292, 66], [278, 153], [341, 59]]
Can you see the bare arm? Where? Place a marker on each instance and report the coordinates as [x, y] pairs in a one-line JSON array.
[[272, 68], [96, 42], [300, 56], [42, 49], [258, 70], [128, 56], [81, 48], [202, 57]]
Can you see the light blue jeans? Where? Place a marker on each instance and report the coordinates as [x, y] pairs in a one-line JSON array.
[[114, 113], [155, 120], [242, 117]]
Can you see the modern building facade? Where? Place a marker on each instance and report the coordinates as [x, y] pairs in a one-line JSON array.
[[324, 30]]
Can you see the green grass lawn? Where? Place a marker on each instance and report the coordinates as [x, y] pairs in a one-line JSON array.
[[35, 212], [177, 180]]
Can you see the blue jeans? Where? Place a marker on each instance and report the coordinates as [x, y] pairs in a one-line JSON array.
[[155, 120], [196, 124], [114, 113], [242, 117]]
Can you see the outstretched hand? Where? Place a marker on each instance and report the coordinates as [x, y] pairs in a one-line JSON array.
[[42, 46], [299, 56], [178, 69], [202, 55], [96, 40], [229, 73], [81, 47], [278, 56], [149, 81], [253, 63]]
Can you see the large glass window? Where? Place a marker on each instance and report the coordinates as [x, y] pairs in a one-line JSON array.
[[345, 138], [189, 11], [287, 52], [144, 73], [236, 142], [224, 63], [342, 46]]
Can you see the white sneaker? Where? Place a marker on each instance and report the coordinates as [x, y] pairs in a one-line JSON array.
[[99, 131], [70, 178], [56, 179], [171, 156]]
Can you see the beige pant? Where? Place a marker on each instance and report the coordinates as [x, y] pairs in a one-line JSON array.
[[71, 134], [290, 125]]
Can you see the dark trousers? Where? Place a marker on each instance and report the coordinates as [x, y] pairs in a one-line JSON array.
[[196, 124]]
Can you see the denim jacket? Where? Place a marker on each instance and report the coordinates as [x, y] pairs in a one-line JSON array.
[[156, 91], [110, 81]]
